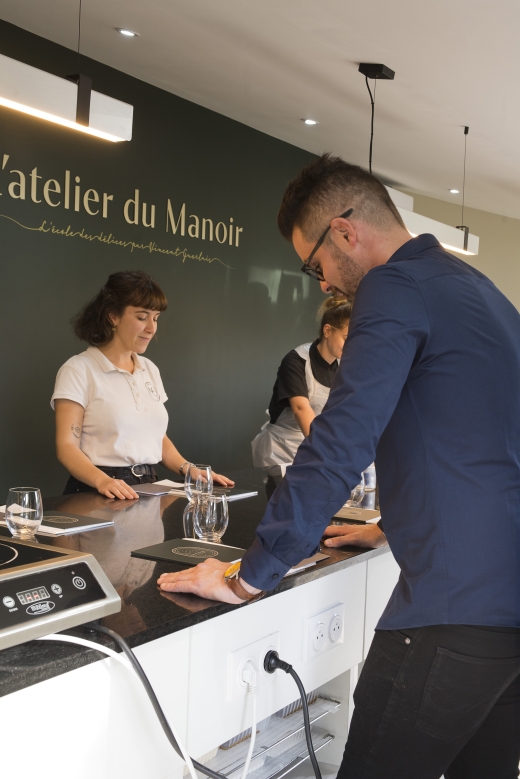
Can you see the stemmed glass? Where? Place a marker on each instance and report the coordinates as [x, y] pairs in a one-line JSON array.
[[198, 481], [356, 496], [23, 512], [211, 517], [188, 519]]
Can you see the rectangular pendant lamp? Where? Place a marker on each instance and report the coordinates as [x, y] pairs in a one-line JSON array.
[[72, 104], [450, 237]]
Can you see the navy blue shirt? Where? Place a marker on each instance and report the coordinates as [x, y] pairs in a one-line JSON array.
[[429, 387]]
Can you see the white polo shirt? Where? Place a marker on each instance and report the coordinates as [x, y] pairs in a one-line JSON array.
[[125, 420]]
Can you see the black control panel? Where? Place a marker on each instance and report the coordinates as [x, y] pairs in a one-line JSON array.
[[25, 598]]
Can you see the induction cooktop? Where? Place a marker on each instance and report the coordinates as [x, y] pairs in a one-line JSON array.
[[45, 589]]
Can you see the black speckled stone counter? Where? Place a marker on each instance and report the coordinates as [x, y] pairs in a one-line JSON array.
[[147, 613]]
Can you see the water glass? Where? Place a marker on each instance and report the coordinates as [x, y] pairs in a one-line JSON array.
[[23, 512], [188, 519], [369, 477], [198, 480], [356, 496], [211, 517]]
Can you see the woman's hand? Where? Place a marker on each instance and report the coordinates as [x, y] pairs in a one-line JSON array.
[[115, 488], [368, 536], [205, 580], [223, 480]]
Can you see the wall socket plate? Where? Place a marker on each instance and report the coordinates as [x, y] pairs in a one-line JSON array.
[[255, 652], [324, 632]]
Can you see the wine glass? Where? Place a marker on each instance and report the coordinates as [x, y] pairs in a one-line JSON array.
[[356, 496], [23, 512], [198, 480], [211, 517], [188, 519]]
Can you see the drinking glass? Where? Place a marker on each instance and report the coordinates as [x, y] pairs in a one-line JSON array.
[[198, 480], [23, 512], [188, 519], [357, 495], [211, 517], [369, 477]]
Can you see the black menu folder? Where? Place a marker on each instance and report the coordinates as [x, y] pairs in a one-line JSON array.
[[59, 523], [189, 551]]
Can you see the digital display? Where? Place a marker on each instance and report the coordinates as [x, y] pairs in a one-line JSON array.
[[32, 596]]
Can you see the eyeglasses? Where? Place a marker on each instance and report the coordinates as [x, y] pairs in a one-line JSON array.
[[316, 272]]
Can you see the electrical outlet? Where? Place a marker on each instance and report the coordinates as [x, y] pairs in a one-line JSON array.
[[323, 632], [255, 652], [335, 628], [318, 636]]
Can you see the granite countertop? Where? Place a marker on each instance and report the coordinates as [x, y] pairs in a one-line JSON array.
[[148, 613]]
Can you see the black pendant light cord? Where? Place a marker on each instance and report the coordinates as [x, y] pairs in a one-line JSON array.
[[79, 32], [466, 130], [372, 101]]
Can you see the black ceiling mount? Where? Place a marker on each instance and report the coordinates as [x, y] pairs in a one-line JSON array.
[[373, 70]]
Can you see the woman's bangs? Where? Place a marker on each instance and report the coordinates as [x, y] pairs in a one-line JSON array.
[[149, 296]]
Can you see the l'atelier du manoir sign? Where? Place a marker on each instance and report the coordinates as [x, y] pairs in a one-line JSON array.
[[69, 194]]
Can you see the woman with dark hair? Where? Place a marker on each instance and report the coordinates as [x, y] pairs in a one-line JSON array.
[[109, 400], [302, 387]]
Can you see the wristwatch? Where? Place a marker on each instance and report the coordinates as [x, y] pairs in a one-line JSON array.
[[181, 468], [231, 577]]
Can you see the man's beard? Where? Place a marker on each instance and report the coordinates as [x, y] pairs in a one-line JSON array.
[[348, 271]]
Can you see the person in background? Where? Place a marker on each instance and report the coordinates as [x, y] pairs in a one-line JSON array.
[[302, 387], [109, 400]]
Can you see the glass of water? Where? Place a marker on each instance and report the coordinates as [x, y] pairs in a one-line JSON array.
[[357, 495], [198, 480], [24, 512], [188, 519], [211, 517]]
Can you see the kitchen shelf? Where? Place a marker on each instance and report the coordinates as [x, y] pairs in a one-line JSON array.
[[279, 748]]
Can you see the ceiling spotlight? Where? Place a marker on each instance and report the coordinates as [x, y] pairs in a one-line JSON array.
[[309, 121], [454, 191], [128, 33]]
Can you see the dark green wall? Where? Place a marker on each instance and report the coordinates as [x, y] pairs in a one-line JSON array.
[[226, 328]]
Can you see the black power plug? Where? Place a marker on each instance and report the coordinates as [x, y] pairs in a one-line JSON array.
[[272, 662]]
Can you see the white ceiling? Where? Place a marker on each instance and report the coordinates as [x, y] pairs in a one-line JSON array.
[[268, 63]]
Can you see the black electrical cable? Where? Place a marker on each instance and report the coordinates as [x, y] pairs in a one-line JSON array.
[[117, 639], [372, 101], [271, 663], [79, 32], [466, 130]]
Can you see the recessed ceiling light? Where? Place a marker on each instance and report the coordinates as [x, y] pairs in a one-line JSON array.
[[454, 191], [309, 121], [128, 33]]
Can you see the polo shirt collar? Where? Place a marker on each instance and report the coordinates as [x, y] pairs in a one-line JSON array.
[[107, 366], [415, 246]]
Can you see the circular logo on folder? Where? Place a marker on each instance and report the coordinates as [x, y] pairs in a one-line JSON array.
[[194, 551], [61, 520]]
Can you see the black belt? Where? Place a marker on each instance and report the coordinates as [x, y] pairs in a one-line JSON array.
[[128, 471]]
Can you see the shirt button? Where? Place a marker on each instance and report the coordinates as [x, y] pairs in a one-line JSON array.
[[407, 640], [274, 576]]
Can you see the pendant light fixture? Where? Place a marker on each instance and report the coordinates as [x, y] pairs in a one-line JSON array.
[[449, 237], [70, 102]]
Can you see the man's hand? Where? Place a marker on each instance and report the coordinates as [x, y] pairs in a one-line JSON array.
[[368, 536], [205, 580]]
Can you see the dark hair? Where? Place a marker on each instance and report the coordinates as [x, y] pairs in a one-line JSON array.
[[125, 288], [328, 187], [334, 312]]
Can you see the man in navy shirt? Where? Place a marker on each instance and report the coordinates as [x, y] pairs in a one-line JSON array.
[[429, 387]]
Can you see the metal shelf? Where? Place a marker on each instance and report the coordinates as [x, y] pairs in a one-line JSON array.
[[280, 745]]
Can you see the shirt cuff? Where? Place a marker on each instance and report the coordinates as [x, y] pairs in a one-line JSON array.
[[260, 569]]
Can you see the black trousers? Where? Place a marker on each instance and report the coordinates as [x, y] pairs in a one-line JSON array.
[[437, 700]]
